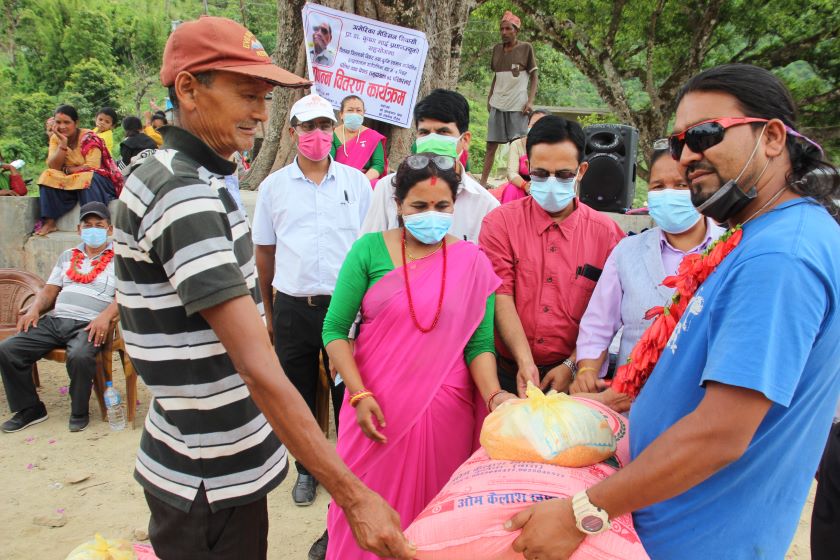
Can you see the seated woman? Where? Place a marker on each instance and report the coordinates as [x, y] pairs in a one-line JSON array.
[[519, 182], [79, 170], [631, 282], [357, 145], [424, 360]]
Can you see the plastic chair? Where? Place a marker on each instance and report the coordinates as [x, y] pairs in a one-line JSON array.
[[104, 370], [17, 290]]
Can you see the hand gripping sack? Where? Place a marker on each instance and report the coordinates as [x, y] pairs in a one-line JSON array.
[[465, 520], [553, 428]]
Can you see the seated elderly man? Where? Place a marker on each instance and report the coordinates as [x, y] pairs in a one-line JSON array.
[[80, 292]]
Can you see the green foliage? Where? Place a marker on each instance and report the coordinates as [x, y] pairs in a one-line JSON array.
[[91, 85], [22, 118]]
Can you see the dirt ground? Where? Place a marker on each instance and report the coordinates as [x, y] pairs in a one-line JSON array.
[[85, 480]]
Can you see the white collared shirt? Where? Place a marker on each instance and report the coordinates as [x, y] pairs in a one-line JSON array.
[[312, 226], [471, 205]]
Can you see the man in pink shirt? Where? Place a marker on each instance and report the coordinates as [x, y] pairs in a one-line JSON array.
[[549, 250]]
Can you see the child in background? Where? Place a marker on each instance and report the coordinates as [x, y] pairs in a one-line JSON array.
[[136, 140], [106, 120]]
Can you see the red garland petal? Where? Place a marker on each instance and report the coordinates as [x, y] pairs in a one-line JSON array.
[[693, 271]]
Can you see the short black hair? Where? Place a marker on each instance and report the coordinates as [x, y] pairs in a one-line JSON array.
[[68, 110], [350, 98], [406, 178], [552, 129], [654, 157], [111, 113], [446, 106], [205, 78], [132, 125]]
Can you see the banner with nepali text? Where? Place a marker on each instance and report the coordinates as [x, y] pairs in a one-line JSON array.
[[378, 62]]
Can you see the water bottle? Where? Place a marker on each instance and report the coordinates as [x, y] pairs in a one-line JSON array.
[[113, 403]]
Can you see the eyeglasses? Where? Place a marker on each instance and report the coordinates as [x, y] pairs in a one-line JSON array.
[[421, 161], [309, 126], [541, 175], [321, 30], [706, 134]]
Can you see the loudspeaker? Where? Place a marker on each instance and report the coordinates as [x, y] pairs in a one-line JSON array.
[[610, 182]]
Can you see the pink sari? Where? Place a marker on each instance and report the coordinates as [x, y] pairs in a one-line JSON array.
[[357, 152], [510, 192], [421, 382]]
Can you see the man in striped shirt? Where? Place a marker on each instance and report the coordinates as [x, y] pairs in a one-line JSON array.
[[80, 293], [193, 322]]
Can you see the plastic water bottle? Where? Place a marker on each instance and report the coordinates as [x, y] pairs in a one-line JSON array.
[[113, 403]]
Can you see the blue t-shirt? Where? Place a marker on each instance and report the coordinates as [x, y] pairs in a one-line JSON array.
[[767, 319]]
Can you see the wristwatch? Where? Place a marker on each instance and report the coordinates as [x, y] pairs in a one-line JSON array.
[[589, 519], [570, 363]]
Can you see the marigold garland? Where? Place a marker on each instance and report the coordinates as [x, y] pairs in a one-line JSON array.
[[693, 271], [78, 257]]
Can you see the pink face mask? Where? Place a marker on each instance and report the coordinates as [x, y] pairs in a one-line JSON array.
[[315, 145]]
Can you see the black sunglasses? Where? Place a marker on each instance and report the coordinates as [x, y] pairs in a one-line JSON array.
[[421, 161], [704, 135], [541, 175]]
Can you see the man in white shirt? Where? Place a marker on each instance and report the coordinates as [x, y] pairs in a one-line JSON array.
[[442, 120], [308, 214]]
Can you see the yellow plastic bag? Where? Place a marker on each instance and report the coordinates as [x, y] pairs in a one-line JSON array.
[[101, 548], [553, 428]]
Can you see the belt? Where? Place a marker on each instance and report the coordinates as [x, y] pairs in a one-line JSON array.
[[309, 301], [509, 367]]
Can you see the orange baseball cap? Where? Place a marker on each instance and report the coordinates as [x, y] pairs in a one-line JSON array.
[[215, 43]]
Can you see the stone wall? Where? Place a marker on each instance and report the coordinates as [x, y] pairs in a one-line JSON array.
[[20, 249]]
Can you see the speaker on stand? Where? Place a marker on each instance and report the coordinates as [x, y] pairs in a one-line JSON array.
[[610, 182]]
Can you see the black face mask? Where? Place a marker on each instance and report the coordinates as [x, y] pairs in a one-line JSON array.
[[728, 201]]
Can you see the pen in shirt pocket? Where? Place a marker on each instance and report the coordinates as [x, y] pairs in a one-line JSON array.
[[346, 198]]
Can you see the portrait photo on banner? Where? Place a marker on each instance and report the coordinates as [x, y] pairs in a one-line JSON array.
[[322, 33]]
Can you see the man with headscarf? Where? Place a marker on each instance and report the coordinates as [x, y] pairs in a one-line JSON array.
[[512, 92]]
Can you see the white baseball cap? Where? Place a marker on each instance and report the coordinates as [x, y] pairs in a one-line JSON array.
[[311, 107]]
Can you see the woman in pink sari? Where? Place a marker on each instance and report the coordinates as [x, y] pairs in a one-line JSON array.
[[519, 181], [357, 145], [422, 375]]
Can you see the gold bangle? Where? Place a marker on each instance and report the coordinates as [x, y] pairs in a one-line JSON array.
[[587, 368]]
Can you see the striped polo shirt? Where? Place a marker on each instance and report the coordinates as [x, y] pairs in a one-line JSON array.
[[182, 245], [82, 302]]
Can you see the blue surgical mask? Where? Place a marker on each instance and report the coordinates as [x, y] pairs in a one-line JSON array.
[[428, 227], [353, 121], [672, 210], [553, 195], [437, 144], [94, 236]]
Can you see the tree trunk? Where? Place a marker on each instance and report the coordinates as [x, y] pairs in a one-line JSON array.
[[288, 54], [443, 21]]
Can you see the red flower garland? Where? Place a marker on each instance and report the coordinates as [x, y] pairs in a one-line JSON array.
[[78, 257], [693, 271]]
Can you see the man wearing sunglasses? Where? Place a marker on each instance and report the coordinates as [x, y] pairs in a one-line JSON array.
[[549, 249], [321, 53], [729, 427], [442, 119]]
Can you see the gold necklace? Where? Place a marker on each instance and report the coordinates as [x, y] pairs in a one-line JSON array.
[[413, 258]]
